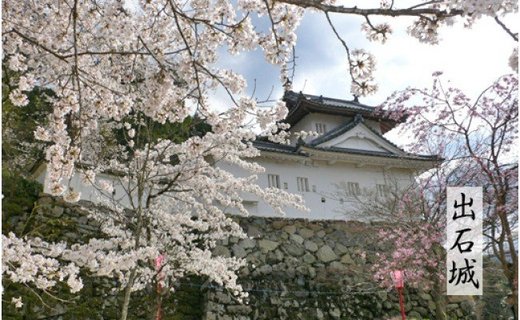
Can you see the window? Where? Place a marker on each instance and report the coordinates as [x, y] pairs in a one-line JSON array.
[[321, 128], [382, 190], [303, 184], [353, 189], [273, 181]]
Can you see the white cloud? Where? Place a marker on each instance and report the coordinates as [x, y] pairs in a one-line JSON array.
[[470, 58]]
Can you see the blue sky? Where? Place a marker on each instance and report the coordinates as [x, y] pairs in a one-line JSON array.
[[470, 58]]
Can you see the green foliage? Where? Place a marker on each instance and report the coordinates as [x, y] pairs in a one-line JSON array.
[[20, 195], [188, 301], [149, 131], [97, 301], [21, 216], [20, 150], [94, 301]]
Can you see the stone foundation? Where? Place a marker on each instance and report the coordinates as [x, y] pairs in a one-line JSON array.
[[299, 269]]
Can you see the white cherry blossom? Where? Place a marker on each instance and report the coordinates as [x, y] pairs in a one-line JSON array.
[[118, 65]]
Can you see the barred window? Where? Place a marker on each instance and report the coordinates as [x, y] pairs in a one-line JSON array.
[[353, 189], [382, 190], [273, 180], [321, 128], [303, 184]]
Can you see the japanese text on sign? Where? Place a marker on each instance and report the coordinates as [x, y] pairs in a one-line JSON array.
[[464, 236]]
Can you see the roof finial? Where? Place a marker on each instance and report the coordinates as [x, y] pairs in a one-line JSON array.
[[356, 98]]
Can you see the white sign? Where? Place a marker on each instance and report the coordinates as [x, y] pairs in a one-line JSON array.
[[464, 236]]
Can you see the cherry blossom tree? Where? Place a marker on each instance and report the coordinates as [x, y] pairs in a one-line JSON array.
[[476, 139], [177, 196], [410, 230], [412, 234], [128, 65]]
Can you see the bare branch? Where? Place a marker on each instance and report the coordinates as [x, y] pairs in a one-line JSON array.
[[507, 30]]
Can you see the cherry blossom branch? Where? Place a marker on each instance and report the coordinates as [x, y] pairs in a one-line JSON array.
[[273, 23], [36, 43], [412, 11]]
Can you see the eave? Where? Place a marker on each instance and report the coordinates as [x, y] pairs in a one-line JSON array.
[[305, 153], [372, 158]]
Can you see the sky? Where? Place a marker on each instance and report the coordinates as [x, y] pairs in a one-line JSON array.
[[470, 59]]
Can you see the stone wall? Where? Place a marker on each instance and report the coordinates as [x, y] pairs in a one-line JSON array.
[[299, 269]]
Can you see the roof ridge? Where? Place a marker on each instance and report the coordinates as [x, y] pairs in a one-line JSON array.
[[321, 98]]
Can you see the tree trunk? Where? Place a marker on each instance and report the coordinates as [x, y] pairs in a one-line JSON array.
[[438, 285], [514, 297], [131, 279], [128, 292], [440, 301], [158, 309], [510, 268]]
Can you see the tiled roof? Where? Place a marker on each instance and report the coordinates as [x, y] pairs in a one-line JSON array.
[[295, 150], [380, 153], [293, 97], [300, 105], [276, 147]]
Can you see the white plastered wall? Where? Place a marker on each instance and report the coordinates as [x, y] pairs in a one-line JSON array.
[[325, 199]]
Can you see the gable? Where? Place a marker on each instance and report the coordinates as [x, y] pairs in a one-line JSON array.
[[360, 137], [359, 143]]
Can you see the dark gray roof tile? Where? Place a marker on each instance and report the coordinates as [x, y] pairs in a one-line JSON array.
[[276, 147], [380, 154]]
